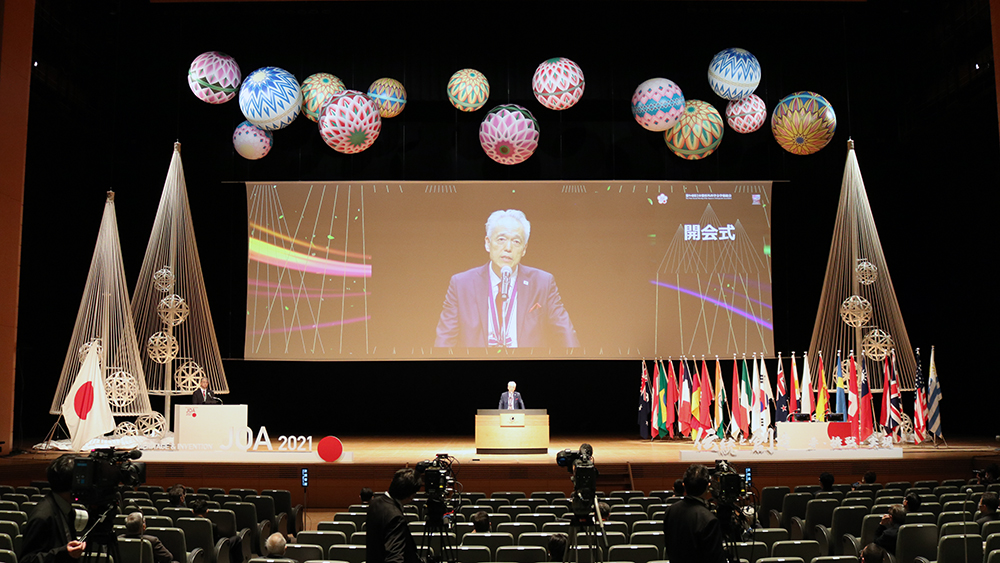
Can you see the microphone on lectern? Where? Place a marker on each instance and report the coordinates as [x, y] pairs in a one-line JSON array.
[[505, 274]]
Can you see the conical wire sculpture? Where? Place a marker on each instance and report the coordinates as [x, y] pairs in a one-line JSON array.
[[170, 303], [858, 309], [104, 320]]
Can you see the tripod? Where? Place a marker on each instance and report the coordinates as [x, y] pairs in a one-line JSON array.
[[435, 526], [583, 520], [101, 539]]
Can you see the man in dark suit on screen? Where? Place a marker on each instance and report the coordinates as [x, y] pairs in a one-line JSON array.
[[505, 304], [511, 399]]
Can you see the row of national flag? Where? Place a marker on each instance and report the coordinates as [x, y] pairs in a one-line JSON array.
[[687, 402]]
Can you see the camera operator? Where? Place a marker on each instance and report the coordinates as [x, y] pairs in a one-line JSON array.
[[388, 538], [692, 533], [50, 534]]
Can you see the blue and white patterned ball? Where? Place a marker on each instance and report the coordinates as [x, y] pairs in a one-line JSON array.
[[734, 73], [270, 98]]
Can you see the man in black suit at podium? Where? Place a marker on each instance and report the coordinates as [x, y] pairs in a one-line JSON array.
[[511, 399], [204, 395]]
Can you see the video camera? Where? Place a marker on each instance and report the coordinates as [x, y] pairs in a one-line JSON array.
[[727, 486], [99, 477], [443, 491]]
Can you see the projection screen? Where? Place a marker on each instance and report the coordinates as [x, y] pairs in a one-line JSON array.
[[609, 270]]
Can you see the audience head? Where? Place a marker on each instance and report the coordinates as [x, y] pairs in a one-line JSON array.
[[404, 484], [275, 545], [898, 514], [481, 522], [989, 502], [872, 554], [696, 480], [135, 524], [557, 546], [912, 502], [366, 495], [199, 507], [826, 480], [869, 477], [60, 473], [176, 494], [678, 487], [605, 509], [992, 472]]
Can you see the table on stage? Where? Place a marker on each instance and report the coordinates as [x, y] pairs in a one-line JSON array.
[[518, 431], [811, 435], [209, 425]]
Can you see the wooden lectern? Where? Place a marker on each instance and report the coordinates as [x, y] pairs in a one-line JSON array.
[[518, 431]]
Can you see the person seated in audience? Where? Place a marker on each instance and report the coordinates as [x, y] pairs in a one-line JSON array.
[[135, 525], [605, 509], [872, 554], [888, 528], [988, 508], [366, 495], [869, 478], [481, 522], [176, 495], [679, 488], [557, 546], [912, 502], [826, 481], [200, 509], [275, 546]]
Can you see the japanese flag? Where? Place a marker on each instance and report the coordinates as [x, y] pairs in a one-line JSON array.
[[86, 409]]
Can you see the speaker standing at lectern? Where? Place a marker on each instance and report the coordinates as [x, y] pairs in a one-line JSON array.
[[204, 395], [511, 399]]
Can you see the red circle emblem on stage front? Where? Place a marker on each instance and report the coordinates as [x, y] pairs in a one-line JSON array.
[[330, 448]]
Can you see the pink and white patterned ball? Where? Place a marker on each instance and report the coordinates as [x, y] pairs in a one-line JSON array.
[[509, 134], [558, 83], [657, 104], [746, 115], [350, 123], [252, 142], [317, 90], [214, 77]]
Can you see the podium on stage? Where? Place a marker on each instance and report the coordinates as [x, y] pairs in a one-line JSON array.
[[209, 426], [518, 431]]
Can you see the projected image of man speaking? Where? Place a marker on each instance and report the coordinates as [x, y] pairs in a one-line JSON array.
[[505, 304]]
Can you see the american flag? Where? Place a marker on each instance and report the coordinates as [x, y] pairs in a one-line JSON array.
[[920, 405]]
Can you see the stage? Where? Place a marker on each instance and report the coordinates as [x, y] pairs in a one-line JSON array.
[[623, 461]]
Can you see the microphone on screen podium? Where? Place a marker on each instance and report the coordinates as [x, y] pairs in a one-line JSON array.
[[505, 274]]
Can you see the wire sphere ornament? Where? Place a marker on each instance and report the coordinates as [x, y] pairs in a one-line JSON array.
[[122, 388], [187, 378], [905, 424], [86, 346], [151, 425], [855, 311], [162, 347], [163, 279], [877, 344], [173, 309], [125, 428], [867, 272]]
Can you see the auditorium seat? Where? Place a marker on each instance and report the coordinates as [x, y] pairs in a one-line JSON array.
[[955, 528], [852, 545], [628, 517], [819, 512], [533, 502], [348, 552], [928, 483], [614, 538], [806, 549], [514, 509], [211, 491], [537, 518], [359, 538], [969, 506], [836, 559], [7, 556], [769, 536], [585, 554], [557, 527], [509, 496], [947, 517], [494, 503], [627, 494], [472, 497], [266, 511], [654, 508], [135, 550], [793, 504], [223, 499], [888, 492], [357, 517], [958, 549], [9, 505], [916, 540], [932, 507], [647, 526], [9, 528], [781, 560], [993, 556], [650, 537], [469, 510], [645, 502], [813, 489], [946, 489], [991, 542], [771, 499], [246, 517], [15, 516], [243, 492], [346, 526], [991, 527], [901, 485], [867, 502], [636, 553], [845, 520], [534, 538], [839, 496], [521, 554], [324, 539], [472, 554], [515, 528], [304, 552], [492, 540], [6, 542], [198, 533], [554, 509], [173, 539]]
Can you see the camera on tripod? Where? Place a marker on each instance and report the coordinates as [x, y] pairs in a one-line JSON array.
[[443, 491], [99, 477]]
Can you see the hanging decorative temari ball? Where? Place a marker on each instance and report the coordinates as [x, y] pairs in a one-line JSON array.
[[270, 98], [350, 123], [252, 142], [734, 74], [468, 89], [509, 134], [388, 95], [214, 77], [803, 122], [746, 115], [698, 131], [317, 91], [558, 83], [657, 104]]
